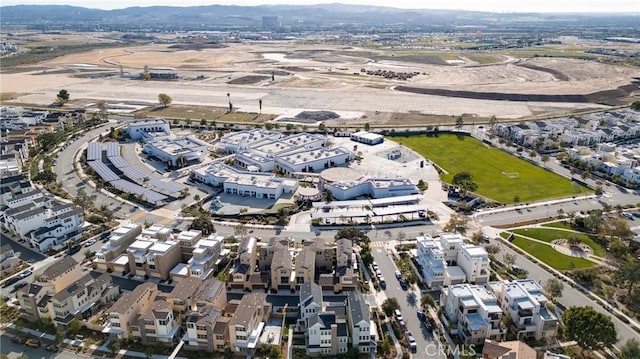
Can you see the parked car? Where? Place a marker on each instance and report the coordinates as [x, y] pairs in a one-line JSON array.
[[25, 274], [90, 242], [74, 249], [34, 343], [10, 281], [413, 346], [51, 348], [422, 213], [378, 273], [20, 284], [398, 315], [398, 275], [403, 284], [374, 265], [19, 339], [383, 284], [421, 315]]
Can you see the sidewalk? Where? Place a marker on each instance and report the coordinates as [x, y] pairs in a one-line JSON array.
[[80, 344]]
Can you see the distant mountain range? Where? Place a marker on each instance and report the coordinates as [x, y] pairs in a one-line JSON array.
[[290, 17]]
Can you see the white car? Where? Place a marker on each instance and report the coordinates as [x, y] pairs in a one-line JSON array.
[[398, 315], [374, 265], [90, 243]]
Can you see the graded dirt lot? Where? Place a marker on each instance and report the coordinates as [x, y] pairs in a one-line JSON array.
[[318, 77]]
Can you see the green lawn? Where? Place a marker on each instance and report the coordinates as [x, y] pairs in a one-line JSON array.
[[549, 235], [499, 175], [549, 255], [558, 225]]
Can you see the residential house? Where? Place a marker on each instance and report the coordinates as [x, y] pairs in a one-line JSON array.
[[282, 269], [525, 302], [153, 258], [207, 329], [246, 263], [124, 312], [61, 274], [305, 266], [156, 324], [362, 328], [472, 313], [183, 296], [507, 350], [120, 239], [212, 293], [248, 322]]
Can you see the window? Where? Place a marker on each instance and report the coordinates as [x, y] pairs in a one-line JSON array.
[[202, 336], [162, 322], [190, 325], [219, 337], [220, 346], [117, 325], [150, 331], [201, 327]]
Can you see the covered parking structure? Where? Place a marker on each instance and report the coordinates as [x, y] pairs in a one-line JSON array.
[[145, 194]]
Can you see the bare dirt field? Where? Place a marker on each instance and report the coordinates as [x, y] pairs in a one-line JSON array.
[[317, 78]]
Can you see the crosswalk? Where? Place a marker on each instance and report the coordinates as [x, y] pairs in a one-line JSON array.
[[377, 244]]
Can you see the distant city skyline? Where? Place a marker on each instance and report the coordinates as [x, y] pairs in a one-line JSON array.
[[544, 6]]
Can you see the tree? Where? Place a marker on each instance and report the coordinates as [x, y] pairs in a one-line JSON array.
[[240, 230], [63, 97], [260, 105], [636, 105], [593, 221], [82, 199], [114, 347], [327, 196], [544, 159], [146, 76], [628, 274], [573, 240], [618, 249], [103, 109], [365, 254], [275, 352], [590, 329], [422, 185], [427, 301], [615, 228], [148, 352], [492, 249], [385, 348], [204, 224], [203, 122], [476, 237], [74, 326], [49, 140], [554, 287], [353, 234], [464, 180], [389, 306], [516, 199], [492, 122], [289, 127], [509, 259], [459, 122], [367, 126], [456, 223], [630, 349], [164, 99]]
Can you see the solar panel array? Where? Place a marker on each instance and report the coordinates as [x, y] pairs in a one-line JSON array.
[[132, 173], [103, 171], [94, 151], [137, 190], [167, 187], [113, 149], [118, 161]]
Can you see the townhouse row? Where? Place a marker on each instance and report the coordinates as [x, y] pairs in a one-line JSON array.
[[475, 312]]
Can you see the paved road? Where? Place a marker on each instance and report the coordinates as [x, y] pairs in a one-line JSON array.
[[14, 350], [409, 304], [72, 183], [570, 296]]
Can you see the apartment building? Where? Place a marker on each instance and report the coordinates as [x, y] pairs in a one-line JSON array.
[[62, 274], [246, 263], [266, 252], [525, 302], [119, 240], [310, 303], [305, 266], [472, 313], [80, 299], [183, 296], [30, 297], [213, 293], [123, 313], [247, 322], [207, 329], [507, 350], [153, 258], [188, 240], [362, 328], [156, 324], [451, 261], [204, 258], [282, 269], [326, 334]]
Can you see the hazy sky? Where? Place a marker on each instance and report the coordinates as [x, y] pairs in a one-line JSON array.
[[482, 5]]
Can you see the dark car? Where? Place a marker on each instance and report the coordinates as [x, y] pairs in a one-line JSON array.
[[10, 281], [51, 348], [19, 340], [403, 284], [74, 249], [421, 315]]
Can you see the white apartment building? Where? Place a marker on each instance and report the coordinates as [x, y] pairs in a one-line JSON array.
[[526, 304], [148, 129], [9, 166], [204, 260], [450, 261], [363, 329], [472, 313]]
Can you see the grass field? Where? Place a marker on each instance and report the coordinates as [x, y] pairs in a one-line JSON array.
[[484, 59], [557, 225], [549, 255], [499, 175], [549, 235]]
